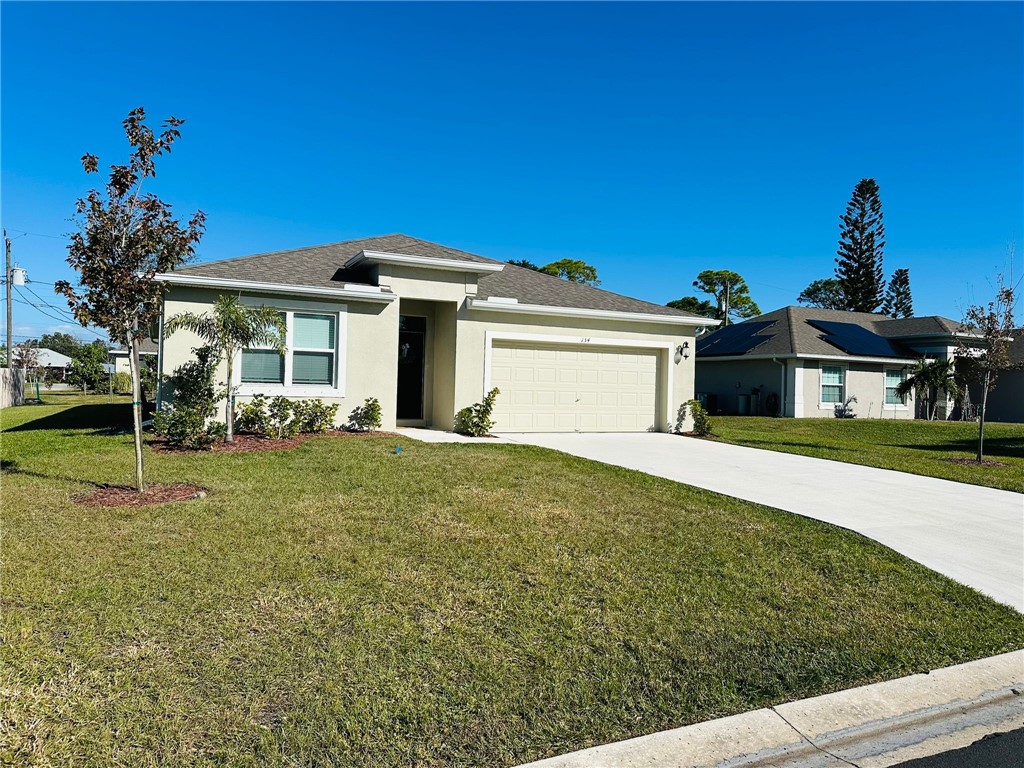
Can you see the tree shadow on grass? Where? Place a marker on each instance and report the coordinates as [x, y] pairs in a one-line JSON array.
[[1007, 447], [102, 418], [10, 467]]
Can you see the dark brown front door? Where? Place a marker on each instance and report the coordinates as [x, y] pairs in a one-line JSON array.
[[412, 332]]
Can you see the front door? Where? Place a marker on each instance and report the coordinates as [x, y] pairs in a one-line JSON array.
[[412, 332]]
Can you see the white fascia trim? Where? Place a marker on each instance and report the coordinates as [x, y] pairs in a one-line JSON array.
[[584, 341], [424, 262], [291, 290], [595, 314], [892, 361]]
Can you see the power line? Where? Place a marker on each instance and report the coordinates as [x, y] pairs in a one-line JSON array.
[[47, 314], [35, 234]]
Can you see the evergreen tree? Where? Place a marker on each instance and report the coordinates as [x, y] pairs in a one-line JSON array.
[[861, 241], [898, 302]]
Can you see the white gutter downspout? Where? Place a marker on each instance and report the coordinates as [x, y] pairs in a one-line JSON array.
[[782, 389]]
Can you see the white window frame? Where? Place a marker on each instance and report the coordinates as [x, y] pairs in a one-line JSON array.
[[843, 370], [903, 377], [289, 389]]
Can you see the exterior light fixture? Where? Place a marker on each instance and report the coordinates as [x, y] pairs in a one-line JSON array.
[[682, 352]]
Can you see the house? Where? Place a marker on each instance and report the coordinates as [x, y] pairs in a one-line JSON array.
[[147, 349], [50, 365], [427, 330], [1006, 401], [802, 362]]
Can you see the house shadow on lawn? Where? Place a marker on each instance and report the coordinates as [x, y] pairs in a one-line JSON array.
[[1006, 447], [10, 467], [104, 418]]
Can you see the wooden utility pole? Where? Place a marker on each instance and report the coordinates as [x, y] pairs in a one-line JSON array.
[[10, 302]]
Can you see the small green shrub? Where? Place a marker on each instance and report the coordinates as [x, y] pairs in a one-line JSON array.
[[845, 410], [367, 417], [280, 418], [701, 420], [121, 383], [252, 417], [185, 422], [475, 420], [314, 417]]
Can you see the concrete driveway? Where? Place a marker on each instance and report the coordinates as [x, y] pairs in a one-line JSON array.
[[972, 534]]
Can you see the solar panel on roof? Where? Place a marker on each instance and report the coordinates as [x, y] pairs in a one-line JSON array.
[[856, 340], [733, 339]]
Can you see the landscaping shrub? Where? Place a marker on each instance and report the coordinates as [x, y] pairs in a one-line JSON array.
[[184, 423], [701, 420], [314, 417], [366, 417], [845, 410], [121, 383], [279, 418], [475, 420]]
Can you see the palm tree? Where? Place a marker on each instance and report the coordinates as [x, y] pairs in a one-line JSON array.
[[232, 327], [928, 378]]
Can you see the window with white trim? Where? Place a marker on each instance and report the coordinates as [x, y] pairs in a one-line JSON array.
[[833, 384], [311, 359], [893, 378]]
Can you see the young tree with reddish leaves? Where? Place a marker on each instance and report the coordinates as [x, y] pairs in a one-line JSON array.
[[125, 238]]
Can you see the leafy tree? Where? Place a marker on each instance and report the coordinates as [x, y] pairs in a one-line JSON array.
[[125, 238], [732, 296], [230, 328], [573, 270], [861, 242], [824, 294], [86, 369], [62, 343], [928, 379], [695, 306], [898, 301], [524, 263], [992, 325], [26, 357]]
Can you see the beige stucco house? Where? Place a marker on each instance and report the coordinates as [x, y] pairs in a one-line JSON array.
[[147, 349], [802, 362], [428, 329]]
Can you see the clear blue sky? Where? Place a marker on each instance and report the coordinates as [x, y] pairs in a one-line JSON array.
[[651, 140]]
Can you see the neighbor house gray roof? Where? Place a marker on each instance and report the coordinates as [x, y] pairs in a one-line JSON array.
[[323, 266], [147, 347], [798, 331], [50, 359]]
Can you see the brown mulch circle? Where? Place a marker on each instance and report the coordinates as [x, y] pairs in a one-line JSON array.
[[257, 444], [155, 493], [975, 462]]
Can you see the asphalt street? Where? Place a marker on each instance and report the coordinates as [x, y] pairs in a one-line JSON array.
[[1000, 750]]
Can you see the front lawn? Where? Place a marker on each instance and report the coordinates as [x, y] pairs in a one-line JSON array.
[[338, 604], [919, 447]]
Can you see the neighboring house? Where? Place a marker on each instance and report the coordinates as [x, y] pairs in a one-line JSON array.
[[52, 364], [802, 362], [428, 330], [1006, 401], [148, 348]]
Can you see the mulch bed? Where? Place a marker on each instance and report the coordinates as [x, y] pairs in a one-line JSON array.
[[975, 462], [155, 493], [714, 438], [257, 444]]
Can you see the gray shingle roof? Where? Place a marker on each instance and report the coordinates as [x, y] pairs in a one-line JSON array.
[[321, 266], [791, 333], [147, 347]]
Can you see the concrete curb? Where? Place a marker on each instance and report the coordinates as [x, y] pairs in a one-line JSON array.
[[873, 726]]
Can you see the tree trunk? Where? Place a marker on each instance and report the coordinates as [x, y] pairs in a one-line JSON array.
[[229, 407], [981, 417], [133, 362]]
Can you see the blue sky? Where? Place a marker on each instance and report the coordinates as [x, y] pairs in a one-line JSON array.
[[651, 140]]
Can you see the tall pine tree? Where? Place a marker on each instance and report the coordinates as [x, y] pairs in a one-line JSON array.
[[861, 241], [898, 302]]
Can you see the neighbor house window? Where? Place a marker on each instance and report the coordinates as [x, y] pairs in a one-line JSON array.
[[311, 359], [893, 378], [832, 386]]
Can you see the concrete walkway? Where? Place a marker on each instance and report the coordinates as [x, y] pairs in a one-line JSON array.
[[972, 534]]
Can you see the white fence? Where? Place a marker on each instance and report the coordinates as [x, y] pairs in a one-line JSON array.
[[12, 387]]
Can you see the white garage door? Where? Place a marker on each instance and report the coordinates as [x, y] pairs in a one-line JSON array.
[[573, 388]]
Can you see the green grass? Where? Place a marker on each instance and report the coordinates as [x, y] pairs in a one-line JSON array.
[[919, 447], [340, 605]]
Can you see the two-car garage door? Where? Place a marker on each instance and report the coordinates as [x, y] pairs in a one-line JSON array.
[[573, 388]]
